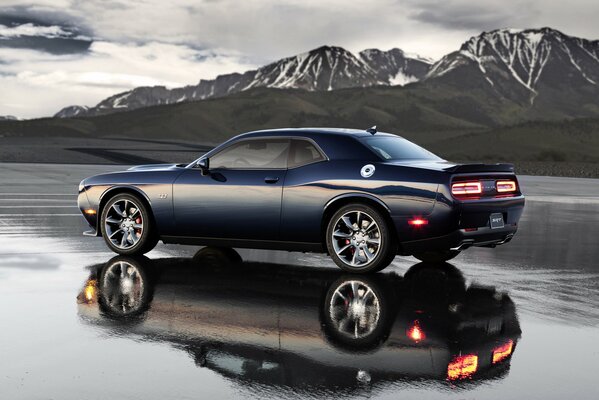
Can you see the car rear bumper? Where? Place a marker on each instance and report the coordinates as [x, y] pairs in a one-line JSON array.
[[461, 239], [466, 224]]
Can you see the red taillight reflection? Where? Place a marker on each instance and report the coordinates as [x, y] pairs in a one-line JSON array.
[[462, 366], [502, 352], [505, 186], [417, 221], [415, 332], [463, 188]]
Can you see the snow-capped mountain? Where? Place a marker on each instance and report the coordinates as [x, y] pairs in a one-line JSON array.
[[72, 111], [395, 67], [322, 69], [525, 66]]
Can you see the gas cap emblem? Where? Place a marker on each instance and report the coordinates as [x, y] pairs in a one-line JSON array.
[[367, 171]]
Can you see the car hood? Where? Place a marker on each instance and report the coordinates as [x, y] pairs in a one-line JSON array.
[[156, 167]]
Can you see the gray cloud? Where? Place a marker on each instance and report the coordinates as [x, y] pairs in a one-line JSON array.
[[470, 15]]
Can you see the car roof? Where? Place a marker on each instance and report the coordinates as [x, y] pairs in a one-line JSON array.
[[309, 132]]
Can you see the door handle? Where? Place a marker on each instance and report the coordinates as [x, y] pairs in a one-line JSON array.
[[271, 179]]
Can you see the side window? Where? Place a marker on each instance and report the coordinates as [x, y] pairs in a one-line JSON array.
[[303, 152], [253, 154]]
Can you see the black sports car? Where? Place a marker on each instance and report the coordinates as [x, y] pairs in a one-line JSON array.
[[361, 196]]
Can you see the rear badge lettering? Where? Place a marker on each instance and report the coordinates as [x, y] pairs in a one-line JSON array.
[[367, 171]]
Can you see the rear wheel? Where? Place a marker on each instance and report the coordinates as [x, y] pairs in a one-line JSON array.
[[127, 226], [437, 256], [359, 240]]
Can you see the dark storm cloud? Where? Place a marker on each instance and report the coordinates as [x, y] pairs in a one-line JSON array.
[[23, 14], [57, 46], [51, 32], [470, 15]]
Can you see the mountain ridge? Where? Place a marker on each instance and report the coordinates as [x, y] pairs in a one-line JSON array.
[[321, 69], [497, 77]]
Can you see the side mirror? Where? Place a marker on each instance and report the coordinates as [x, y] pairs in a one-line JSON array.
[[204, 165]]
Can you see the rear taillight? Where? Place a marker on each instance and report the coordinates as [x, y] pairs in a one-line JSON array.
[[466, 188], [505, 186], [462, 367], [502, 352]]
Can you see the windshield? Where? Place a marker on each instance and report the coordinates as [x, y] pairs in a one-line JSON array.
[[396, 148]]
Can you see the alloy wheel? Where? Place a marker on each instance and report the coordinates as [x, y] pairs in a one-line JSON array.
[[356, 238], [124, 224]]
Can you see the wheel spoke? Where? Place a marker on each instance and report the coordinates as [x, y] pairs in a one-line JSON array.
[[344, 248], [370, 226], [111, 220], [341, 294], [138, 226], [134, 213], [353, 259], [367, 253], [114, 233], [124, 241], [117, 208], [347, 223], [342, 234], [373, 240]]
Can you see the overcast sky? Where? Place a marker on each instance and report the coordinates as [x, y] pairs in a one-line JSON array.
[[55, 53]]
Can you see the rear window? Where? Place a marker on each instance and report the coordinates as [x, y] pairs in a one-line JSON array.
[[396, 148]]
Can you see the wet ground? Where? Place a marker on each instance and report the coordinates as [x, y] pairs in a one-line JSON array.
[[78, 323]]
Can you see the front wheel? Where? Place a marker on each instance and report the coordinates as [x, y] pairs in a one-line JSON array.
[[359, 240], [127, 226], [437, 256]]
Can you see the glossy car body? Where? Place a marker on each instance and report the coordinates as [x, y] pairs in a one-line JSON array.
[[271, 326], [289, 208]]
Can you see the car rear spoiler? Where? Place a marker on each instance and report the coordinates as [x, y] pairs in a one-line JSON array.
[[473, 168]]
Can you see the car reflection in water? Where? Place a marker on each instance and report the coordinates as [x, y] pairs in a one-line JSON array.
[[307, 328]]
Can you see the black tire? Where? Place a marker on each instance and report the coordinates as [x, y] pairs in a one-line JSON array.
[[437, 256], [148, 237], [387, 248]]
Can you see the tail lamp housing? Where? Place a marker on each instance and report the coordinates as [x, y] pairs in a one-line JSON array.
[[466, 188], [505, 186]]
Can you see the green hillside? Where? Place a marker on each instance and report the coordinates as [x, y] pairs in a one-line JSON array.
[[471, 126]]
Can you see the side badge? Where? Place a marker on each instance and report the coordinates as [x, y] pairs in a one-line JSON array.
[[367, 171]]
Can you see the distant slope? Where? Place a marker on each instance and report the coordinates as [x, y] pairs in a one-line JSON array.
[[437, 125], [323, 69]]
